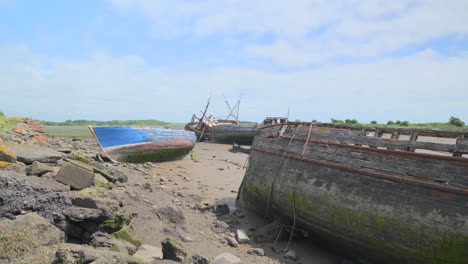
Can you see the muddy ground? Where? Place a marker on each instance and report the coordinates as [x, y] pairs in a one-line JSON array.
[[214, 174]]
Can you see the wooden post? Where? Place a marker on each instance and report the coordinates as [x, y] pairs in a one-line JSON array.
[[460, 140], [413, 137]]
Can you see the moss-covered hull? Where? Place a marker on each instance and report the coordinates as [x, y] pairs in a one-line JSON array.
[[343, 196]]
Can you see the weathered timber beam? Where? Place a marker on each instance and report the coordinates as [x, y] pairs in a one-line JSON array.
[[389, 151], [387, 176]]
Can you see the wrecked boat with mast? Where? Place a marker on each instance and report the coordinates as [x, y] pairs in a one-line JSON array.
[[369, 192], [228, 130]]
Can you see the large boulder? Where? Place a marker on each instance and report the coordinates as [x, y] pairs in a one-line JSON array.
[[19, 193], [76, 174], [28, 153]]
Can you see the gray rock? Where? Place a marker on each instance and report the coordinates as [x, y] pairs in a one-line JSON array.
[[226, 258], [104, 240], [199, 259], [76, 174], [31, 194], [72, 254], [291, 254], [257, 251], [225, 206], [27, 153], [39, 169], [99, 178], [242, 237], [38, 227], [149, 253], [111, 174], [172, 214], [232, 241], [173, 250], [80, 214]]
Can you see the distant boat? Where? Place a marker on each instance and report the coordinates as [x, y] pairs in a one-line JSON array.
[[130, 144], [208, 128]]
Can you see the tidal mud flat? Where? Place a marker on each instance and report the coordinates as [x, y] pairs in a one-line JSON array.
[[173, 212]]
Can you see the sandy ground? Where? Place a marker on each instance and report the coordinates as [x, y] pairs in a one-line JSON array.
[[215, 173]]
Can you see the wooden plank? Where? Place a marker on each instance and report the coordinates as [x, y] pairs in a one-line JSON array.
[[359, 138], [435, 170], [446, 133]]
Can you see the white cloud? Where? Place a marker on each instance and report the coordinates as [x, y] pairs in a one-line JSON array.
[[310, 32], [422, 87]]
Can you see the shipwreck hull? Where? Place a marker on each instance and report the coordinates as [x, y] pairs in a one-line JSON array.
[[233, 133], [385, 205]]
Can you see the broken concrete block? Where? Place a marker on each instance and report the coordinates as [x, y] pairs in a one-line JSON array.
[[241, 236], [28, 153], [76, 174], [39, 169], [226, 258]]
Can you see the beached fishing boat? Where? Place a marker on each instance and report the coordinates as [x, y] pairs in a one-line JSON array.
[[229, 131], [371, 194], [130, 144]]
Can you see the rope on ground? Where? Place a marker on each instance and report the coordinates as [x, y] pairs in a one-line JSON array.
[[294, 221]]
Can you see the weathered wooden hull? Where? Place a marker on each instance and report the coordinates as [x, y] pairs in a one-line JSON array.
[[225, 133], [127, 144], [384, 205], [233, 133]]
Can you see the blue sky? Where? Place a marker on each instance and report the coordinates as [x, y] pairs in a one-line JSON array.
[[122, 59]]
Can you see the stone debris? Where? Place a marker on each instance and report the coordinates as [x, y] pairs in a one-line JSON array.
[[172, 214], [72, 253], [199, 259], [173, 250], [76, 174], [149, 253], [39, 168], [241, 236], [232, 241], [28, 153], [111, 174], [226, 258], [257, 251]]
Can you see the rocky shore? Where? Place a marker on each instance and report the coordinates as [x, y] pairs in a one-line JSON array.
[[62, 202]]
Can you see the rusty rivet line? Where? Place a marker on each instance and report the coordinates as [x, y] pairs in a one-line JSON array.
[[376, 174]]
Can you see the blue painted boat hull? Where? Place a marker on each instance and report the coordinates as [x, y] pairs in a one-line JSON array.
[[129, 144]]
